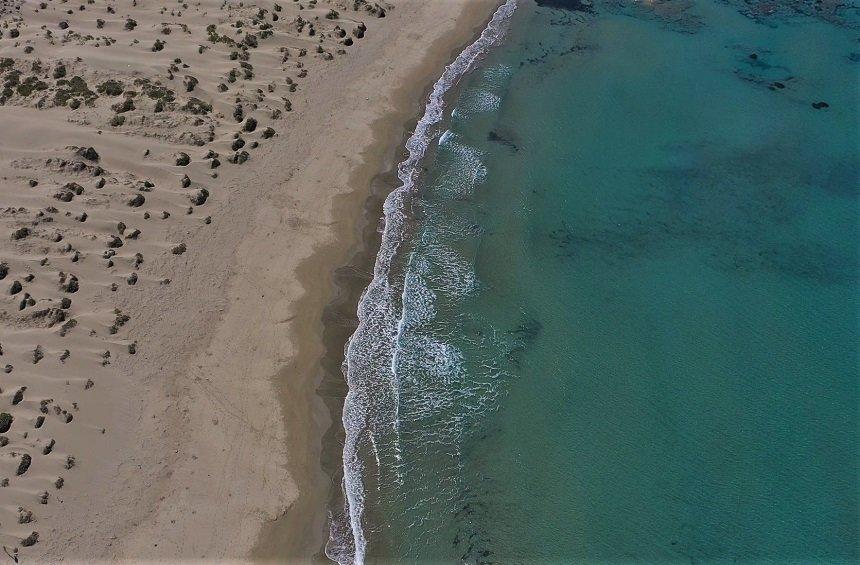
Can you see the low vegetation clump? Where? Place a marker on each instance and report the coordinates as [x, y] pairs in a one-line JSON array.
[[197, 106], [111, 87], [215, 37], [31, 85], [5, 422], [155, 91], [75, 87]]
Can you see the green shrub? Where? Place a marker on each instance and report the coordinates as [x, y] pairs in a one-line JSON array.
[[111, 87], [197, 106]]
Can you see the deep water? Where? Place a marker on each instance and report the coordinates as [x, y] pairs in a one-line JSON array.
[[628, 297]]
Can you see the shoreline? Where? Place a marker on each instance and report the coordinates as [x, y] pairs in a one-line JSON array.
[[354, 275], [350, 269]]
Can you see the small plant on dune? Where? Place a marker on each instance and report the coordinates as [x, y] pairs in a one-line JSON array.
[[5, 422], [111, 87]]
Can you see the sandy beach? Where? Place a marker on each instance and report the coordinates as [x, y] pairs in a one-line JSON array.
[[177, 185]]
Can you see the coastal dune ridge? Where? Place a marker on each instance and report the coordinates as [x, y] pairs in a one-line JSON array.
[[178, 181], [370, 407]]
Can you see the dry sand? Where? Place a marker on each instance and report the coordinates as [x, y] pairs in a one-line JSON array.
[[160, 320]]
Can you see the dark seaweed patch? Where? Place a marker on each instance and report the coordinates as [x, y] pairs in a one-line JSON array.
[[753, 68], [834, 12], [576, 48], [496, 137], [524, 337], [469, 541], [571, 5], [675, 15], [743, 210]]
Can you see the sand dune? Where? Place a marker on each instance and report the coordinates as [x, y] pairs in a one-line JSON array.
[[165, 168]]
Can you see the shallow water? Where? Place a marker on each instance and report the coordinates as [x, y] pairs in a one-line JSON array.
[[623, 299]]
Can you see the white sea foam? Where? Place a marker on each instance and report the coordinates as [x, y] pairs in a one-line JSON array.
[[370, 414], [496, 76], [419, 302], [464, 168], [477, 101], [455, 276]]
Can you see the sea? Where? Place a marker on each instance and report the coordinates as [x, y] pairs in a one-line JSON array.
[[614, 314]]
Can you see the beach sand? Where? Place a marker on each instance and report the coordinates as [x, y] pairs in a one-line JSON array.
[[177, 185]]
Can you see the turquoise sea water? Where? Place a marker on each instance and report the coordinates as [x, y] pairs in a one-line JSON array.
[[619, 318]]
